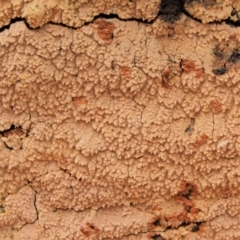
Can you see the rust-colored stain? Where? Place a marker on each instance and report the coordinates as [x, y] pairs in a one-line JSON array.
[[194, 210], [199, 72], [177, 220], [187, 193], [80, 101], [216, 106], [125, 72], [63, 161], [202, 140], [89, 229], [105, 30], [156, 208], [166, 78], [56, 11], [187, 190], [188, 66]]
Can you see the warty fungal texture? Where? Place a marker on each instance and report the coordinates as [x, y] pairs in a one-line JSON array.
[[119, 128]]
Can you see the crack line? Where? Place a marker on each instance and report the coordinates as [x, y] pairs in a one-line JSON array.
[[169, 11]]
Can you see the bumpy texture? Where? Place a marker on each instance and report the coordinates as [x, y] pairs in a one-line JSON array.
[[119, 129]]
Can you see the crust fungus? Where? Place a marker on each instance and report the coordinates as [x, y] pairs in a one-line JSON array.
[[119, 120]]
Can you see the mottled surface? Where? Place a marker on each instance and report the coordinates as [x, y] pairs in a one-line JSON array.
[[119, 129]]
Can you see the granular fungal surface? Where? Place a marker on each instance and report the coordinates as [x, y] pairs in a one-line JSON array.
[[119, 120]]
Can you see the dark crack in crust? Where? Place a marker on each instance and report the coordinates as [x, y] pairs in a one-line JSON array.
[[157, 237], [171, 10]]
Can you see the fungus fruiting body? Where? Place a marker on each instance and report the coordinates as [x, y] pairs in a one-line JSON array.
[[119, 120]]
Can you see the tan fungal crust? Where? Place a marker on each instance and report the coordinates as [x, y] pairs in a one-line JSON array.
[[74, 13], [119, 129], [213, 10]]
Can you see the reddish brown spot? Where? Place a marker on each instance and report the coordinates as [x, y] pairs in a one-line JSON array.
[[199, 72], [166, 77], [156, 208], [105, 30], [85, 232], [194, 211], [188, 190], [188, 66], [79, 101], [89, 229], [187, 193], [202, 140], [183, 216], [56, 11], [63, 161], [125, 72], [216, 106]]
